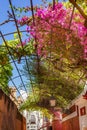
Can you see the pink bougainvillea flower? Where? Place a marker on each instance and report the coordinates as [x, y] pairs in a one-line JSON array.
[[23, 20], [52, 30]]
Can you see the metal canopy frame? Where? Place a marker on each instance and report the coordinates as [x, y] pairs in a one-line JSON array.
[[13, 19]]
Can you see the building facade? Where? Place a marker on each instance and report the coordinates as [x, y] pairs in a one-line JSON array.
[[76, 114]]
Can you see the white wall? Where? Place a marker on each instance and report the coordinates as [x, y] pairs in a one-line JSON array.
[[80, 102], [82, 119]]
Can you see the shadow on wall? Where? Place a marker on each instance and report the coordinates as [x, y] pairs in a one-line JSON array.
[[10, 117], [7, 123]]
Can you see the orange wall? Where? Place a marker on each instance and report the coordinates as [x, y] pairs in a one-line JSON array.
[[10, 118], [71, 124]]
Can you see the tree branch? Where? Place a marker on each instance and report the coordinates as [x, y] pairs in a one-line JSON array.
[[78, 8], [6, 21]]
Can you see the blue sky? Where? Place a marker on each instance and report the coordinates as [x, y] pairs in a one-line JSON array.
[[4, 7], [7, 28]]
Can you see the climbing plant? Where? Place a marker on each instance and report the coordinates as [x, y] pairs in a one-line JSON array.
[[56, 52], [61, 48], [5, 69]]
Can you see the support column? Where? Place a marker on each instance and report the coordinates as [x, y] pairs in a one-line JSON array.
[[57, 121]]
